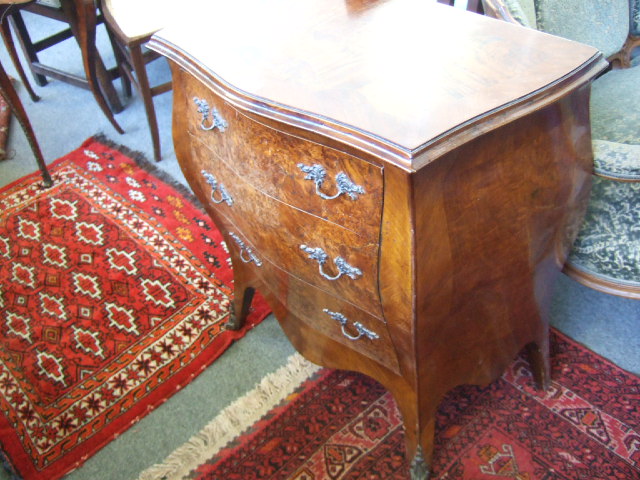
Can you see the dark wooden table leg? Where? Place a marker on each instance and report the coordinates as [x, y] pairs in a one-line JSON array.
[[5, 30], [84, 29], [28, 48], [11, 96]]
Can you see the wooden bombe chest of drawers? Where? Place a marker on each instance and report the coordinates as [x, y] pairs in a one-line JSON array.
[[400, 179]]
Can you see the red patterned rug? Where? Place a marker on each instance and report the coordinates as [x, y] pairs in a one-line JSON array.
[[341, 425], [114, 291]]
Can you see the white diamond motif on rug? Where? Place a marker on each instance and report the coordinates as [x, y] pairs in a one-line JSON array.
[[158, 293], [52, 306], [5, 247], [28, 230], [121, 318], [54, 255], [88, 285], [19, 325], [24, 275], [64, 209], [121, 260], [87, 341], [51, 367], [90, 233]]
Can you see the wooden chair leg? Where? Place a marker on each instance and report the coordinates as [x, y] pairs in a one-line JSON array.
[[106, 87], [121, 62], [140, 71], [84, 29], [29, 50], [12, 99], [83, 19], [11, 49]]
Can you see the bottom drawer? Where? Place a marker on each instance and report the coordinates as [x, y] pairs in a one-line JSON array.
[[320, 311], [331, 316]]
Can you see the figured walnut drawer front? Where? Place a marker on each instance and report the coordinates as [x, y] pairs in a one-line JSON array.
[[331, 316], [317, 179], [342, 322], [289, 237]]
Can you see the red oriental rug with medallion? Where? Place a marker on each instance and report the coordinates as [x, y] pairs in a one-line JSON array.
[[114, 291], [339, 425]]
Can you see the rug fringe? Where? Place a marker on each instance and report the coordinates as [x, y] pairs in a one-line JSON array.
[[147, 165], [233, 420]]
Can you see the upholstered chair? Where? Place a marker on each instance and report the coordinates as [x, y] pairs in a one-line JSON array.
[[606, 253], [634, 33]]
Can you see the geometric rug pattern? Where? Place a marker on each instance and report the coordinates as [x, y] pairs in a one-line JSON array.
[[342, 425], [114, 291]]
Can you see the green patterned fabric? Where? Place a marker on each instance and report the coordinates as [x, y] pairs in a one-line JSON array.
[[615, 106], [617, 160], [524, 11], [603, 24], [635, 17], [615, 123], [608, 245]]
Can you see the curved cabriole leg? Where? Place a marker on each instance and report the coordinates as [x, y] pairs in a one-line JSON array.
[[419, 419], [419, 469], [243, 281], [421, 453], [538, 352], [240, 307]]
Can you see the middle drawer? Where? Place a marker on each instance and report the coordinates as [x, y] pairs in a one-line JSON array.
[[315, 250]]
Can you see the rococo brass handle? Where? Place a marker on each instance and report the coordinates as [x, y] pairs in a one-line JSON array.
[[361, 329], [317, 174], [216, 119], [245, 248], [319, 255], [216, 186]]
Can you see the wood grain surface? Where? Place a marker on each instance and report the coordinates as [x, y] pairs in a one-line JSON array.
[[472, 140]]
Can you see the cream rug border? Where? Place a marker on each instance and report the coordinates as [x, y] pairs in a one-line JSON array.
[[233, 420]]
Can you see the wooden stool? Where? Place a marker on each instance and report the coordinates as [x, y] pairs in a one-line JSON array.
[[82, 19], [131, 24]]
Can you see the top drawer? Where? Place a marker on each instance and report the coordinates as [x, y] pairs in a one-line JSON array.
[[322, 181]]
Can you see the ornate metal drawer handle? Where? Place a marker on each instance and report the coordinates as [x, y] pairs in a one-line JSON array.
[[361, 329], [215, 186], [245, 248], [317, 174], [344, 268], [216, 119]]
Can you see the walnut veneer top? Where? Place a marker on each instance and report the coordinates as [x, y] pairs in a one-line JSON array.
[[367, 73]]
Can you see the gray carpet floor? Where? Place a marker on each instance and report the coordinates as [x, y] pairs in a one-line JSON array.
[[66, 116]]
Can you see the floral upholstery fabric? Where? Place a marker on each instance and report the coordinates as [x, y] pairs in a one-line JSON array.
[[603, 24], [608, 245], [615, 106], [616, 160]]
